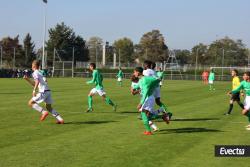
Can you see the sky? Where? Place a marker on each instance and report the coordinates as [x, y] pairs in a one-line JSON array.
[[184, 23]]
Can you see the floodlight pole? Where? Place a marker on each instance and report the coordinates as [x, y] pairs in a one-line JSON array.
[[222, 63], [196, 62], [14, 59], [1, 57], [44, 36]]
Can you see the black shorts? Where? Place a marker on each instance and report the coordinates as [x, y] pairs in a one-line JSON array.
[[235, 97]]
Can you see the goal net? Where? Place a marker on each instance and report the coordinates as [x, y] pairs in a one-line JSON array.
[[63, 69]]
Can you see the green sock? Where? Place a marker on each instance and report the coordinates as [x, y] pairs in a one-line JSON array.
[[164, 107], [90, 102], [145, 121], [109, 101], [152, 117]]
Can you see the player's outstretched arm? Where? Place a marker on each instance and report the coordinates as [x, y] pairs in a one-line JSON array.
[[32, 83]]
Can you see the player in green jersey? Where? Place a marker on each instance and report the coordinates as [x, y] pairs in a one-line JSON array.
[[211, 79], [245, 85], [97, 80], [148, 85], [119, 76]]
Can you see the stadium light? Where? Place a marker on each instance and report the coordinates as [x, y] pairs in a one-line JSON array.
[[44, 34], [223, 57], [196, 62], [1, 56]]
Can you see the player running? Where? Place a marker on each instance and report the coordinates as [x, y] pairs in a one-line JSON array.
[[119, 76], [245, 85], [234, 97], [146, 105], [135, 89], [149, 71], [97, 80], [160, 75], [211, 79], [43, 94]]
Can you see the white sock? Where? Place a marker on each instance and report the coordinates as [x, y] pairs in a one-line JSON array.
[[37, 108], [59, 118], [54, 113], [152, 125]]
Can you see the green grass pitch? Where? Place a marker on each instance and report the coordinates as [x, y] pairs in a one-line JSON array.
[[108, 139]]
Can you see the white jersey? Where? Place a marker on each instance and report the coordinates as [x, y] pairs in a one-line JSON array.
[[43, 85], [149, 72]]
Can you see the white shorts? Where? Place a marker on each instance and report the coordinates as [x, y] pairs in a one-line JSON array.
[[43, 97], [119, 79], [148, 104], [157, 92], [161, 83], [101, 92], [210, 81], [247, 103]]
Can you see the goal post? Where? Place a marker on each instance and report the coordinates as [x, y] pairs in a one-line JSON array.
[[224, 72], [63, 69]]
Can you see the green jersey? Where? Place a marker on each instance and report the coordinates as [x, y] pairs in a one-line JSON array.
[[97, 80], [135, 85], [148, 85], [43, 72], [120, 74], [159, 74], [211, 76], [244, 85]]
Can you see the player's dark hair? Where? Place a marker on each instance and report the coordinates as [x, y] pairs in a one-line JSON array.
[[147, 64], [134, 79], [36, 63], [247, 73], [236, 71], [92, 65], [139, 69], [153, 65]]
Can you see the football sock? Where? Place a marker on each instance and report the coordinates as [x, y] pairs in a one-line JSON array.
[[241, 105], [59, 118], [163, 106], [54, 113], [230, 108], [90, 102], [109, 101], [248, 115], [38, 108], [152, 125], [145, 121]]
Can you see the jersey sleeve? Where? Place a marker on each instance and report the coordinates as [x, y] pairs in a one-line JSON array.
[[236, 90], [93, 79]]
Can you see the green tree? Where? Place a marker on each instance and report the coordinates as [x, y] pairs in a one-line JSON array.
[[11, 45], [200, 52], [182, 56], [228, 52], [152, 46], [125, 48], [63, 39], [28, 48]]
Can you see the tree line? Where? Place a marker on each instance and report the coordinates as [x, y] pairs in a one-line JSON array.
[[63, 41]]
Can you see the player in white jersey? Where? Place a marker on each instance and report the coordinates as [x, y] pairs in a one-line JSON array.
[[149, 67], [43, 94]]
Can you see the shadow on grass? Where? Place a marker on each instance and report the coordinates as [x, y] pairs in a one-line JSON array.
[[88, 122], [13, 93], [129, 112], [188, 130], [195, 119]]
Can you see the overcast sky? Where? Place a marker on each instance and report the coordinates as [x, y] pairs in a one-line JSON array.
[[184, 23]]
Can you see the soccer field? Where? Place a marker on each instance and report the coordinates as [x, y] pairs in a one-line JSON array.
[[114, 139]]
